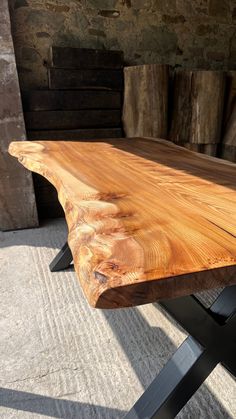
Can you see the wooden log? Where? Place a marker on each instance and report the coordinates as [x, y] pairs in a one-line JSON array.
[[228, 152], [62, 120], [145, 109], [79, 134], [230, 98], [52, 100], [17, 199], [85, 79], [228, 146], [229, 138], [65, 57], [147, 219], [198, 107], [209, 149]]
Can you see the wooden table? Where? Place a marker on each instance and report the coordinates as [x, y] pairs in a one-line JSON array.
[[149, 221]]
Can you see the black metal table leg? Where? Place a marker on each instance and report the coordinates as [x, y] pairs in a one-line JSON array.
[[176, 383], [62, 260], [213, 340]]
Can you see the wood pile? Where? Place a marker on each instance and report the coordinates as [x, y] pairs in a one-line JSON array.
[[200, 108], [83, 101]]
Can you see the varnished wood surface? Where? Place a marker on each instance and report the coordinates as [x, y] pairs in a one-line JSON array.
[[147, 219]]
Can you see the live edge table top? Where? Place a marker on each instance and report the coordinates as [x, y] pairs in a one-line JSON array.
[[147, 219]]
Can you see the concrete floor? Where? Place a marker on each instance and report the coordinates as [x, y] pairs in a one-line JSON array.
[[60, 358]]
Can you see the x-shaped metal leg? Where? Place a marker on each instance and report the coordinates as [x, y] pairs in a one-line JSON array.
[[62, 260], [212, 340]]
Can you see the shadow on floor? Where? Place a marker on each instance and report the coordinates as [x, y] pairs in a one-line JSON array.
[[148, 350], [57, 408], [51, 234]]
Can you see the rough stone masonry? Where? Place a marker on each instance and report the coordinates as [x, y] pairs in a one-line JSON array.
[[196, 34], [17, 200]]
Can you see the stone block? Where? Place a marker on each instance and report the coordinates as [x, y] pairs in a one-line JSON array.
[[20, 3], [29, 54], [165, 6], [219, 9], [17, 203], [102, 4], [160, 39], [140, 4], [173, 19], [39, 18], [110, 13], [216, 55], [205, 29]]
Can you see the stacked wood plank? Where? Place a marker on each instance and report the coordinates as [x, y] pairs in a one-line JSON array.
[[145, 110], [228, 147], [192, 117], [84, 96], [198, 100], [83, 101]]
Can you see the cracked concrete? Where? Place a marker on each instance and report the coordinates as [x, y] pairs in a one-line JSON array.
[[60, 358]]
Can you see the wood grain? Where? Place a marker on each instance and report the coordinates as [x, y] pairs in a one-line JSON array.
[[197, 107], [228, 146], [76, 134], [209, 149], [147, 219], [230, 97], [145, 109], [62, 78], [66, 57], [52, 100], [62, 120]]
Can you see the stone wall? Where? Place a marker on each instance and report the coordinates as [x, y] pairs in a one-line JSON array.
[[197, 34], [17, 200]]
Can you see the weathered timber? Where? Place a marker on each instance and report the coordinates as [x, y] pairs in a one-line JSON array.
[[229, 138], [62, 120], [77, 134], [197, 107], [228, 146], [145, 109], [228, 152], [60, 78], [147, 219], [209, 149], [230, 98], [52, 100], [17, 200], [65, 57]]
